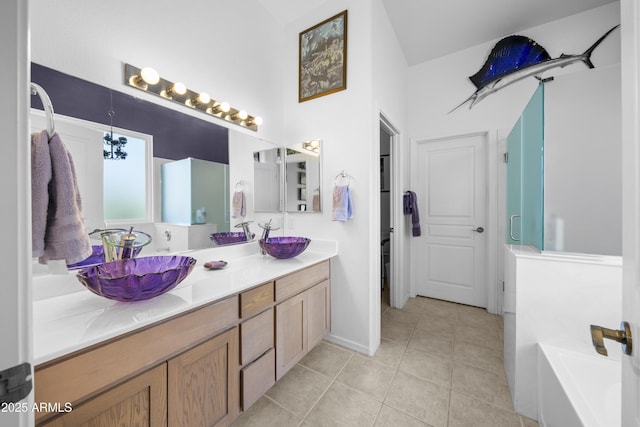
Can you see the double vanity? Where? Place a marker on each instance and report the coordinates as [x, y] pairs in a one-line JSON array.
[[197, 355]]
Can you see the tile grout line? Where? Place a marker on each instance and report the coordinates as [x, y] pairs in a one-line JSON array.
[[395, 372], [333, 380]]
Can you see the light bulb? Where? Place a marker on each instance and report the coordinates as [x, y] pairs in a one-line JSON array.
[[204, 98], [257, 120], [149, 75], [225, 107], [179, 88], [242, 115]]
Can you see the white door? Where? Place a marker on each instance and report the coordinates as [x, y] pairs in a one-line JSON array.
[[451, 192], [630, 20]]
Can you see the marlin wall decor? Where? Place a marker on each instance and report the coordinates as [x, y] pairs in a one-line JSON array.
[[517, 57]]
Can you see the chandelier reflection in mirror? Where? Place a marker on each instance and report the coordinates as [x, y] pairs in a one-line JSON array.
[[116, 151]]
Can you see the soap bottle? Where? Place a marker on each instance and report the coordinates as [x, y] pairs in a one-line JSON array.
[[201, 215]]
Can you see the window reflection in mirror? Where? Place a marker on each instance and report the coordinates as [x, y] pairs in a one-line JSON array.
[[303, 177], [267, 176], [125, 182]]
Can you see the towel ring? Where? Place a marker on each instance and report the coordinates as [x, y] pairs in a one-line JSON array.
[[36, 89], [342, 175]]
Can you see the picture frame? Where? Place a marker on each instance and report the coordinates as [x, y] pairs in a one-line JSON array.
[[322, 54]]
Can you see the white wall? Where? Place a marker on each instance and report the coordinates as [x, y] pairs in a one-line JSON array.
[[232, 50], [583, 162], [343, 121], [390, 91], [348, 124]]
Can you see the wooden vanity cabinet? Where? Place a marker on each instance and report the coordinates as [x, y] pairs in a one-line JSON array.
[[141, 401], [151, 377], [199, 368], [304, 319]]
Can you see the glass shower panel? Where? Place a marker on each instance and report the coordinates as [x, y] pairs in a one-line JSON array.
[[525, 168], [533, 170]]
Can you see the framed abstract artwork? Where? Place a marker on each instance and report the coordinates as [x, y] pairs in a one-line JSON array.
[[322, 66]]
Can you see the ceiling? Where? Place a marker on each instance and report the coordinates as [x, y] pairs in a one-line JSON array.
[[427, 29]]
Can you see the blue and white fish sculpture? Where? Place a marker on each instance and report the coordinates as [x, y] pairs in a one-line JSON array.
[[515, 58]]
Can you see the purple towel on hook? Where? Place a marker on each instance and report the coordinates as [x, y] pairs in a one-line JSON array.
[[65, 237], [342, 208], [238, 205], [410, 206], [40, 177]]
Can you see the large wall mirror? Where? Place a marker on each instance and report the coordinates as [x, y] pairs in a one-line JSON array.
[[303, 176], [164, 136]]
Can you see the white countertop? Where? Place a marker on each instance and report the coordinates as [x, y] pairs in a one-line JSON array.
[[67, 317]]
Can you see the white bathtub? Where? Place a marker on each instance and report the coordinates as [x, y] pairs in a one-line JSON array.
[[577, 389]]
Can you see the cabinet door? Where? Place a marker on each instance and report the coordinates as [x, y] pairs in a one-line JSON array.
[[291, 330], [318, 315], [203, 383], [141, 401]]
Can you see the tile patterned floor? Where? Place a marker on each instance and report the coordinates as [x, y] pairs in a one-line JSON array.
[[439, 364]]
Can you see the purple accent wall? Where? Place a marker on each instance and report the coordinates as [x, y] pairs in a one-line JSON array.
[[175, 135]]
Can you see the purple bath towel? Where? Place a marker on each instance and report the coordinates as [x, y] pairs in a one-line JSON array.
[[40, 177], [65, 236], [410, 207]]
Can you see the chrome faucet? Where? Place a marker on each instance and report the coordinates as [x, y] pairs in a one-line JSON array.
[[266, 228], [245, 228], [623, 336]]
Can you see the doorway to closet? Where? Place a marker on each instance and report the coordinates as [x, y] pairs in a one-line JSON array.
[[388, 146]]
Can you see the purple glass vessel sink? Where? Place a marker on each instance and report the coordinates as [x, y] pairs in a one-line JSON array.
[[228, 238], [136, 279], [284, 247]]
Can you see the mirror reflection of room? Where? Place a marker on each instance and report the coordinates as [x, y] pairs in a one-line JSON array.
[[302, 171]]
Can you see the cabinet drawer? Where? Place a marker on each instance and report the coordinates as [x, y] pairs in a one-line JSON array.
[[257, 378], [256, 300], [297, 282], [256, 336]]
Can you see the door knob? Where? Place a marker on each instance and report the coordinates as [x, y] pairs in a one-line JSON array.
[[622, 335], [478, 230]]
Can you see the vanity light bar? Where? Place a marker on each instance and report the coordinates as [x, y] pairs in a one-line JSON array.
[[148, 80]]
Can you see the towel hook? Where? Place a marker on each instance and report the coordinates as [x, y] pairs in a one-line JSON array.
[[240, 184], [36, 89]]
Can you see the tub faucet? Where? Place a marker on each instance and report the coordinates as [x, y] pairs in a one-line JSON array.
[[623, 336]]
